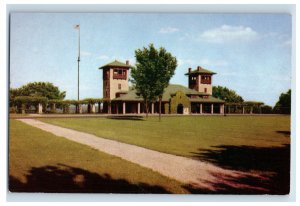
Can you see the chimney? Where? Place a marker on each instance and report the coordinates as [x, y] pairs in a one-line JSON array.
[[127, 62], [190, 69], [198, 68]]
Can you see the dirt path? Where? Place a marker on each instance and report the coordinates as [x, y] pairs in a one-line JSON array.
[[194, 173]]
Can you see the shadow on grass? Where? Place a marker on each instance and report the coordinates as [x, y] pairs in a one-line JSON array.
[[66, 179], [126, 117], [285, 133], [273, 163]]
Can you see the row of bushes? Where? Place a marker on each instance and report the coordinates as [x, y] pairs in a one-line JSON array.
[[256, 108]]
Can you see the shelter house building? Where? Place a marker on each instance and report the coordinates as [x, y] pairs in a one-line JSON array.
[[177, 99]]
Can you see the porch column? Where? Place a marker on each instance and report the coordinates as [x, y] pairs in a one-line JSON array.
[[251, 109], [117, 108], [109, 108], [200, 108], [40, 108], [222, 109], [139, 108], [212, 109], [243, 110], [124, 107], [152, 108], [93, 109]]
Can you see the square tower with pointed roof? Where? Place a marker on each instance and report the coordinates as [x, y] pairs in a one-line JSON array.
[[115, 78], [200, 80]]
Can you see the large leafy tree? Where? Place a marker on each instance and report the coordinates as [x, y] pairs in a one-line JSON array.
[[153, 71], [283, 105], [38, 89], [226, 94]]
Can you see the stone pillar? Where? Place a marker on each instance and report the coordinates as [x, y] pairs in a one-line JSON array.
[[124, 107], [243, 110], [152, 108], [200, 108], [251, 109], [222, 109], [80, 108], [139, 108], [40, 108], [53, 108], [93, 108], [23, 107], [212, 108]]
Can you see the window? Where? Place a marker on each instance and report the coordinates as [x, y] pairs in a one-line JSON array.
[[206, 79], [119, 86], [119, 74]]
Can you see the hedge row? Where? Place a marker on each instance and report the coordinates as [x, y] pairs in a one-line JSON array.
[[34, 101]]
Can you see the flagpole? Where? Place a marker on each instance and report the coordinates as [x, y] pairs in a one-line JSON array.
[[78, 60]]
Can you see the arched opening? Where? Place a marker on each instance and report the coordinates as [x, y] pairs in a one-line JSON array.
[[179, 109]]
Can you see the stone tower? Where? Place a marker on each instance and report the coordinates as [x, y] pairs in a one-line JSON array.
[[115, 79], [200, 80]]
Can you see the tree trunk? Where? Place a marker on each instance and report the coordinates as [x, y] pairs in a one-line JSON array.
[[147, 108], [159, 108]]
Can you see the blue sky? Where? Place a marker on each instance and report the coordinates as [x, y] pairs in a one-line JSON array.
[[251, 53]]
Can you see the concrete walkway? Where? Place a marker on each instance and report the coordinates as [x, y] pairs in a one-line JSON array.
[[194, 173]]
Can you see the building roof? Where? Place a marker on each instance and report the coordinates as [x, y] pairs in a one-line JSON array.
[[173, 88], [115, 63], [200, 70], [209, 99], [131, 95], [168, 93]]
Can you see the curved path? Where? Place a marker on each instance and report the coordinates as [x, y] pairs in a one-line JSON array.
[[195, 173]]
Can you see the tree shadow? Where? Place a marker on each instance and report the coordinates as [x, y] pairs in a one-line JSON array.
[[66, 179], [126, 117], [270, 166], [285, 133]]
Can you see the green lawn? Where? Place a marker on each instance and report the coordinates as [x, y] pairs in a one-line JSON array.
[[40, 161], [187, 135]]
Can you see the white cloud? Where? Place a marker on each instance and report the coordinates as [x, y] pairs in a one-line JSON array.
[[202, 62], [212, 63], [227, 33], [103, 57], [168, 30], [287, 43], [188, 62], [85, 53]]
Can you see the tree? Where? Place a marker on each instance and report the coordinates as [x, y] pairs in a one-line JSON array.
[[266, 109], [226, 94], [39, 89], [153, 71], [283, 106]]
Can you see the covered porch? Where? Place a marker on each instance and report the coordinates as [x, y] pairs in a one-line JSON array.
[[207, 108]]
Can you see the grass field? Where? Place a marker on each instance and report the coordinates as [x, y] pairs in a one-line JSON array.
[[42, 162], [190, 135]]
